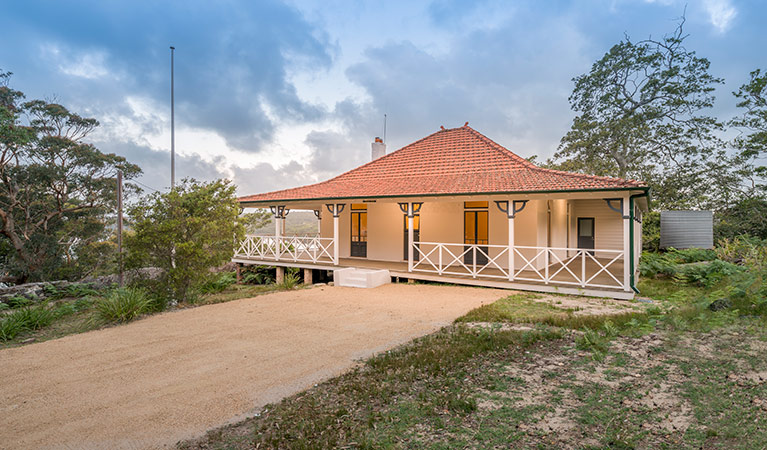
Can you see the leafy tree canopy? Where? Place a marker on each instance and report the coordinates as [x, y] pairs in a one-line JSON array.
[[640, 116], [752, 142], [185, 232], [56, 191]]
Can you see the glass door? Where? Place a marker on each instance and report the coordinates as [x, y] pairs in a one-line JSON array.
[[586, 233], [359, 244], [475, 232]]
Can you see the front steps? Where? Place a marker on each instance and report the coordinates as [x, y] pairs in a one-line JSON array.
[[361, 278]]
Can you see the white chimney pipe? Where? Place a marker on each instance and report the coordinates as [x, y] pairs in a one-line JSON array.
[[378, 148]]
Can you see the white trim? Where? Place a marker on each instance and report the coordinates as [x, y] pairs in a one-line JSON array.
[[289, 248]]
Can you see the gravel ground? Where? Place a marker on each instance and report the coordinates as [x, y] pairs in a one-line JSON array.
[[173, 376]]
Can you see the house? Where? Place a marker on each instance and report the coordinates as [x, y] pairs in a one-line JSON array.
[[457, 207]]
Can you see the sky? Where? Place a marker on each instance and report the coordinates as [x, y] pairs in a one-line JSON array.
[[275, 94]]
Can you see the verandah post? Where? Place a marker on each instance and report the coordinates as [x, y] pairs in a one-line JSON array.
[[510, 208], [511, 248], [277, 211], [335, 209], [410, 236], [318, 214], [626, 243], [335, 237]]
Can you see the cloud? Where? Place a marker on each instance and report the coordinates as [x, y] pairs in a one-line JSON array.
[[720, 13], [90, 65], [233, 60], [500, 79]]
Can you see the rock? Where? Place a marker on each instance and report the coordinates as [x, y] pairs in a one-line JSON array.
[[38, 291], [720, 304]]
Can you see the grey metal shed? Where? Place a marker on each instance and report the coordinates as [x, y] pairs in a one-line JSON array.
[[687, 229]]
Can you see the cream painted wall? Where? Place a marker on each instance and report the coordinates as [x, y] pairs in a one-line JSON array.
[[559, 227], [608, 224], [442, 222], [344, 230], [385, 232]]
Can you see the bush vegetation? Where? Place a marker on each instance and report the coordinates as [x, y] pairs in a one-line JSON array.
[[123, 305], [185, 232], [27, 318]]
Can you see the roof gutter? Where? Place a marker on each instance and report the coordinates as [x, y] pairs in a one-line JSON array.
[[645, 193]]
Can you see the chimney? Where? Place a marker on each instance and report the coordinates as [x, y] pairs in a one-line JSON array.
[[378, 147]]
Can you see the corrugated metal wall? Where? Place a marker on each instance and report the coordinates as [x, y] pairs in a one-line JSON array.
[[687, 229]]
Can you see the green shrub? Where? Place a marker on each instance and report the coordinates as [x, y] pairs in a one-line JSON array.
[[10, 326], [593, 342], [653, 264], [290, 281], [743, 250], [19, 302], [81, 304], [36, 317], [218, 283], [123, 305], [259, 275], [651, 231], [708, 274], [24, 319], [690, 255]]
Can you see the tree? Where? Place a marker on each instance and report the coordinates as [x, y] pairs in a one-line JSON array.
[[745, 217], [256, 220], [56, 191], [185, 232], [639, 116], [752, 142]]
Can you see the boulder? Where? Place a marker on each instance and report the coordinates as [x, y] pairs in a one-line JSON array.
[[720, 304]]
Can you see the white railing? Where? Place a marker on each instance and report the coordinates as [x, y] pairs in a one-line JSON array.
[[571, 266], [287, 248], [558, 265], [451, 259]]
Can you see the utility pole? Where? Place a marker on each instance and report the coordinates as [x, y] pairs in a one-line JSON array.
[[172, 124], [120, 227]]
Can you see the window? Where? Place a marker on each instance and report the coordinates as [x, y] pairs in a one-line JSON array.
[[473, 205]]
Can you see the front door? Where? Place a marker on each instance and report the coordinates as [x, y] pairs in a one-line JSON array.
[[359, 245], [475, 233], [416, 236], [586, 233]]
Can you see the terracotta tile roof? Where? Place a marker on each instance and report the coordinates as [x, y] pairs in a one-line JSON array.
[[450, 161]]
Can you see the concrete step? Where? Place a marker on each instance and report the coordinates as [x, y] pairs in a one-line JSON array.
[[361, 278]]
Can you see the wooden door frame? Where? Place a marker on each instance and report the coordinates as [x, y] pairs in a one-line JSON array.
[[481, 259], [359, 228], [593, 232], [415, 238]]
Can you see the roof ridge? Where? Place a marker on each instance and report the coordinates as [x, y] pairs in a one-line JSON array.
[[500, 148]]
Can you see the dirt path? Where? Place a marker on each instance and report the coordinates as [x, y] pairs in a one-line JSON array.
[[175, 375]]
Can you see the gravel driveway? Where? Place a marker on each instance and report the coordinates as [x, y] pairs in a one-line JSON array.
[[175, 375]]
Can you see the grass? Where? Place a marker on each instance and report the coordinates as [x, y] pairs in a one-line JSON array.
[[122, 305], [236, 292], [412, 385], [28, 318], [523, 308], [674, 375]]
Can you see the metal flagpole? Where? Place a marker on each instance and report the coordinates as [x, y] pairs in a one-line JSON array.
[[172, 124]]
